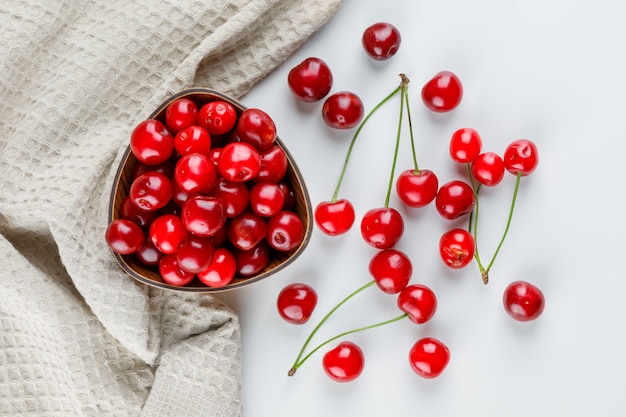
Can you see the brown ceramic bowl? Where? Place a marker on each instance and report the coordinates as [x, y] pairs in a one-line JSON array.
[[279, 260]]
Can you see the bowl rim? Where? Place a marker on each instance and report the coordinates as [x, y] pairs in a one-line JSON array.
[[244, 281]]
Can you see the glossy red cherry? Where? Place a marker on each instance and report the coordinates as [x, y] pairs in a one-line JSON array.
[[166, 168], [181, 114], [129, 211], [456, 248], [148, 254], [429, 357], [192, 139], [256, 128], [195, 174], [253, 261], [417, 189], [151, 142], [382, 227], [443, 92], [266, 198], [234, 195], [296, 303], [203, 215], [167, 232], [221, 270], [521, 156], [523, 301], [274, 165], [217, 117], [246, 230], [391, 270], [344, 363], [151, 191], [239, 162], [195, 253], [124, 236], [488, 169], [310, 80], [465, 145], [419, 302], [343, 110], [334, 217], [381, 40], [285, 231], [454, 199], [172, 273]]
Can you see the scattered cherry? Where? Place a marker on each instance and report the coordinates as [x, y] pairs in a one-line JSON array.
[[455, 199], [391, 269], [443, 92], [343, 110], [381, 40], [418, 302], [488, 169], [382, 227], [417, 189], [456, 248], [334, 218], [310, 80], [465, 145], [521, 157], [344, 363], [523, 301], [296, 303], [429, 357]]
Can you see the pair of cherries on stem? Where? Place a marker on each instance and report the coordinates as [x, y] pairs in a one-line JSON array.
[[391, 270]]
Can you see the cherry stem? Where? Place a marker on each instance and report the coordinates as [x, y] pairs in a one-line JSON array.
[[403, 87], [473, 228], [356, 134], [292, 371], [410, 122], [297, 362]]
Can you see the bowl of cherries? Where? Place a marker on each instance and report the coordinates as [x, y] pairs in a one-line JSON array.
[[207, 197]]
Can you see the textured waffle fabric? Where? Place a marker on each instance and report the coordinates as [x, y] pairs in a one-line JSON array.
[[78, 337]]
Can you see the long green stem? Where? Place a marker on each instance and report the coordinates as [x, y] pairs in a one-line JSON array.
[[410, 122], [327, 316], [473, 228], [353, 141], [403, 87], [299, 363]]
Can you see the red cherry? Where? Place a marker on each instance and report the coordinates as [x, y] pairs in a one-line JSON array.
[[256, 128], [166, 168], [290, 196], [274, 165], [391, 269], [124, 236], [253, 261], [181, 114], [221, 270], [266, 198], [172, 273], [334, 217], [443, 92], [203, 215], [344, 363], [285, 231], [217, 117], [246, 230], [419, 302], [129, 211], [151, 143], [417, 189], [234, 195], [310, 80], [195, 253], [195, 174], [296, 303], [456, 248], [523, 301], [151, 191], [239, 162], [455, 199], [148, 254], [180, 196], [192, 139], [521, 156], [167, 232], [488, 169], [465, 145], [382, 227], [429, 357], [381, 41], [343, 110]]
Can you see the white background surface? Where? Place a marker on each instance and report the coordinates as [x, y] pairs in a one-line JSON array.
[[552, 71]]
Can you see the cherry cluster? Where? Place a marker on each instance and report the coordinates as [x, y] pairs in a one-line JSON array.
[[207, 195], [382, 227]]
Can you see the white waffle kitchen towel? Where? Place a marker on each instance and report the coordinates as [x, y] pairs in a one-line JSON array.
[[78, 337]]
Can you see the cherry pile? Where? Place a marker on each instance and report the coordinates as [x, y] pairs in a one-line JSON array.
[[383, 227], [208, 196]]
